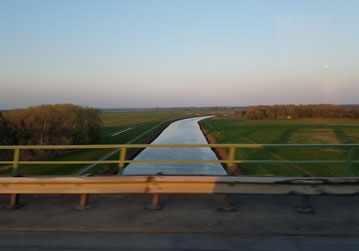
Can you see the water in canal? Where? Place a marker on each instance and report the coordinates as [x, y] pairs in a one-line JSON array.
[[186, 131]]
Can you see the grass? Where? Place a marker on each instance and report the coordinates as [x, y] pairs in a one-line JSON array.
[[301, 131], [226, 129], [137, 122]]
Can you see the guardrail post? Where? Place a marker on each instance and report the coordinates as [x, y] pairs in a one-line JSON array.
[[228, 204], [121, 165], [231, 156], [14, 201], [84, 200], [348, 164], [305, 207], [155, 205]]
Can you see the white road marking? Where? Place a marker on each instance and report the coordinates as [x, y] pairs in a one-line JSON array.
[[117, 133]]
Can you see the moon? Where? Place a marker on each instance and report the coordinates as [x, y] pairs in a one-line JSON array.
[[326, 66]]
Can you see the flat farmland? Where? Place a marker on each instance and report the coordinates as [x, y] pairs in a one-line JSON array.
[[300, 131], [118, 127]]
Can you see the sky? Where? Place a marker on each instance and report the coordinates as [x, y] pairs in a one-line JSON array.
[[152, 53]]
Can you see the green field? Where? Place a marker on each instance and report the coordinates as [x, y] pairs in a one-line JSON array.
[[133, 121], [301, 131], [226, 129]]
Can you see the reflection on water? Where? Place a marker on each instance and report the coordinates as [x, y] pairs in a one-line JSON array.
[[184, 131]]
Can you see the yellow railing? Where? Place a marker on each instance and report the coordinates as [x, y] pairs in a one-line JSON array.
[[183, 184], [123, 149]]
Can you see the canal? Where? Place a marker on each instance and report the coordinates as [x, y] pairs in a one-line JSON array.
[[186, 131]]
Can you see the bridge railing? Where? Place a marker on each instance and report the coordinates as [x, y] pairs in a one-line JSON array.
[[177, 184], [350, 150]]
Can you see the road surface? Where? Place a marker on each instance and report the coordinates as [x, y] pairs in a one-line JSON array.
[[31, 241]]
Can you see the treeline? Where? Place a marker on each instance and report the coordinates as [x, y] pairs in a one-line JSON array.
[[300, 111], [50, 125]]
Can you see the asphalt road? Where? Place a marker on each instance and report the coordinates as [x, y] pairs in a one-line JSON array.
[[132, 241], [186, 222]]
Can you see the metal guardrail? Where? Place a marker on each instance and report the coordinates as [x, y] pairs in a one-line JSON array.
[[123, 149], [180, 185], [176, 184]]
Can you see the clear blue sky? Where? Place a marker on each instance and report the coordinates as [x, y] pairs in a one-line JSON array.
[[178, 53]]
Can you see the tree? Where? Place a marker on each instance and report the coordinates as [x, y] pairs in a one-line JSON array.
[[301, 111], [51, 125], [240, 113], [3, 131], [353, 113]]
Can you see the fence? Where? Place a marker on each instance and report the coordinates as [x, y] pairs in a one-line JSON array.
[[229, 162]]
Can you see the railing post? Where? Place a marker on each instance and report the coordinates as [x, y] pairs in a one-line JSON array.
[[231, 156], [15, 165], [121, 165], [230, 164], [348, 165], [14, 198]]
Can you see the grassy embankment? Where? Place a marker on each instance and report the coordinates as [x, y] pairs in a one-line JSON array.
[[114, 122], [301, 131]]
